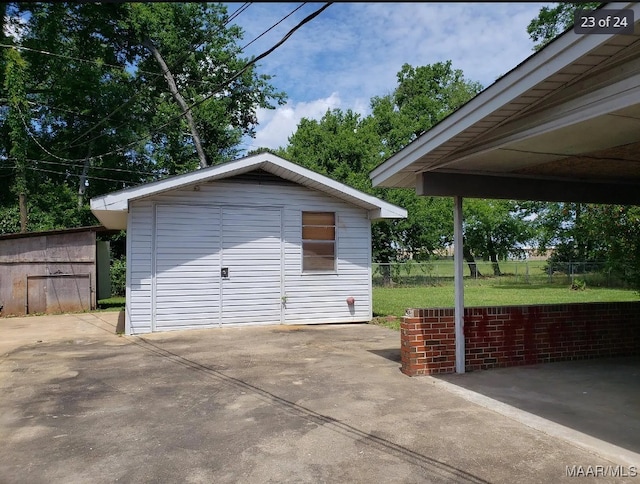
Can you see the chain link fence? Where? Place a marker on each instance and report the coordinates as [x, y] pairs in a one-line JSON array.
[[509, 272]]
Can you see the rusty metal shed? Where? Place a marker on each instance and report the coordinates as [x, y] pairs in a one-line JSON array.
[[53, 271]]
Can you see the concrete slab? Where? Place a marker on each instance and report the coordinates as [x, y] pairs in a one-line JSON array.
[[594, 403], [262, 404]]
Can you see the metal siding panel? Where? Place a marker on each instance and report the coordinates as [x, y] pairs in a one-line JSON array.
[[187, 281], [318, 298], [251, 250], [353, 251], [138, 272]]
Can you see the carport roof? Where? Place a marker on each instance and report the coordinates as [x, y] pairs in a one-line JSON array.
[[112, 209], [564, 125]]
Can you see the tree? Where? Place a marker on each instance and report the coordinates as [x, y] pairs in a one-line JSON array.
[[197, 54], [495, 229], [603, 237], [345, 146], [100, 113], [14, 85], [552, 21], [424, 96], [578, 232]]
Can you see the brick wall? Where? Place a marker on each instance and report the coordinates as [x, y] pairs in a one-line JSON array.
[[518, 335]]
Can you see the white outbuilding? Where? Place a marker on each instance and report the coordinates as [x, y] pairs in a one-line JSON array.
[[259, 240]]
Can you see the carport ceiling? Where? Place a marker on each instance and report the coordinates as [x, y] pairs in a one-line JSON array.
[[564, 125]]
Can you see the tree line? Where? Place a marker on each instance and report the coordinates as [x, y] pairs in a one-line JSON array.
[[99, 97]]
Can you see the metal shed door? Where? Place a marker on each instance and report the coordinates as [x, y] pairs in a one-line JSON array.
[[251, 265], [187, 268]]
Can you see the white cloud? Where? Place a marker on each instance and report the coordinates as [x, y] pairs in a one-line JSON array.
[[277, 125], [356, 50]]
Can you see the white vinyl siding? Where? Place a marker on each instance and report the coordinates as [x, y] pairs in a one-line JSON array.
[[187, 266], [251, 251], [314, 297], [139, 268]]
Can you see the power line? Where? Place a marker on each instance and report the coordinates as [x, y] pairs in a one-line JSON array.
[[67, 174], [63, 56], [237, 13], [197, 103], [58, 108], [182, 59], [234, 15], [247, 65], [100, 63], [78, 165], [275, 25], [70, 160]]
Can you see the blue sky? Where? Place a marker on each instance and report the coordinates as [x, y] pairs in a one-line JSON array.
[[353, 51]]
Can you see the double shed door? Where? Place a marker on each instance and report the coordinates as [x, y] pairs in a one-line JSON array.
[[217, 265]]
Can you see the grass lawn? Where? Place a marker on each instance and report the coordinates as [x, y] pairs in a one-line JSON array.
[[394, 301], [115, 303]]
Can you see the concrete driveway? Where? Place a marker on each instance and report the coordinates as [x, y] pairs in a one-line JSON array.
[[281, 404]]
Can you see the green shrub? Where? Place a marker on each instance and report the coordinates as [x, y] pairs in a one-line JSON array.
[[118, 276], [578, 284]]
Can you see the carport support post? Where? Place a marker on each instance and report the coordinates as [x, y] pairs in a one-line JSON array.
[[458, 311]]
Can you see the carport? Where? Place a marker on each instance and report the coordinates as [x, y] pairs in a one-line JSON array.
[[564, 125]]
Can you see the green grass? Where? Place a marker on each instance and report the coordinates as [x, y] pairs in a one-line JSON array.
[[441, 272], [115, 303], [394, 301]]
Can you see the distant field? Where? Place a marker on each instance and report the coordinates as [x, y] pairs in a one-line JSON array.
[[394, 301]]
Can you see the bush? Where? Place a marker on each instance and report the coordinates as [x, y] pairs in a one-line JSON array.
[[118, 273], [578, 284]]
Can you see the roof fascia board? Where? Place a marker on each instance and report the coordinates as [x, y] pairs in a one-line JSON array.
[[567, 48], [119, 201]]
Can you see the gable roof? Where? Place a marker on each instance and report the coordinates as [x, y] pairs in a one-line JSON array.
[[112, 209], [568, 113]]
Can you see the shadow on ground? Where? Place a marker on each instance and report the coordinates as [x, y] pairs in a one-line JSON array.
[[597, 397]]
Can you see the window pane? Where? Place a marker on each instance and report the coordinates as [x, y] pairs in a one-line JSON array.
[[318, 263], [318, 233], [311, 249], [318, 218]]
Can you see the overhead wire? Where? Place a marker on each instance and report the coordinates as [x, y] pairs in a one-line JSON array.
[[69, 57], [217, 90], [233, 16], [247, 65], [101, 63], [78, 165], [274, 25], [182, 58], [91, 177]]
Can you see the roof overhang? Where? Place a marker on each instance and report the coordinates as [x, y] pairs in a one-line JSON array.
[[112, 209], [562, 126]]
